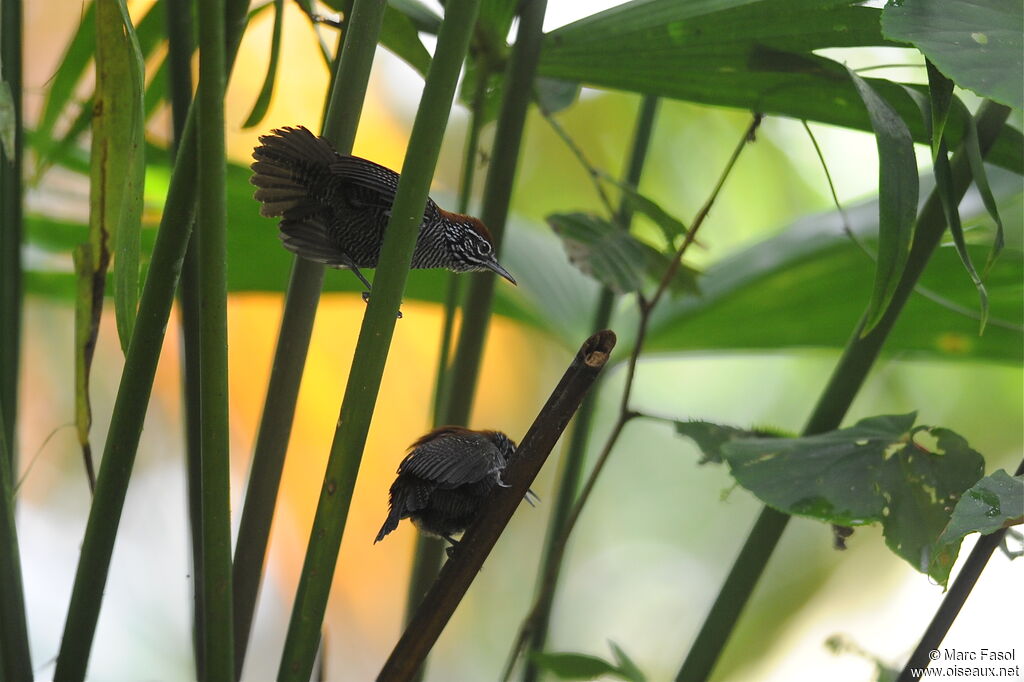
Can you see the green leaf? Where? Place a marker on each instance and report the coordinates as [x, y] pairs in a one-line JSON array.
[[7, 122], [877, 471], [568, 666], [259, 108], [710, 437], [977, 43], [940, 92], [72, 66], [422, 17], [670, 226], [740, 53], [627, 668], [980, 176], [603, 251], [398, 34], [994, 502], [118, 162], [897, 193]]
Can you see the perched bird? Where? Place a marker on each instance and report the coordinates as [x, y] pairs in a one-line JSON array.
[[445, 481], [334, 209]]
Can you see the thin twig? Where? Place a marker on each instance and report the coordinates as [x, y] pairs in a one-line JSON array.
[[592, 171], [646, 307]]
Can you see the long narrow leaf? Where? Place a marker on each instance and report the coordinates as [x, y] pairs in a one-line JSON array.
[[940, 93], [259, 109], [897, 193], [980, 175]]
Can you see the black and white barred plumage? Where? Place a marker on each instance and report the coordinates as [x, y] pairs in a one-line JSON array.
[[445, 481], [334, 209]]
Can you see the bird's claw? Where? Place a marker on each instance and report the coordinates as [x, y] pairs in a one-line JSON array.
[[366, 299]]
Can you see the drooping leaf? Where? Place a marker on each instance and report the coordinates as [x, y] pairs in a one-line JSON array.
[[118, 162], [422, 17], [710, 437], [897, 198], [730, 53], [627, 668], [670, 226], [7, 122], [977, 43], [262, 103], [398, 34], [940, 93], [980, 176], [877, 471], [569, 666], [994, 502]]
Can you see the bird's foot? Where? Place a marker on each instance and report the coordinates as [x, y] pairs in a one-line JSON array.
[[366, 299]]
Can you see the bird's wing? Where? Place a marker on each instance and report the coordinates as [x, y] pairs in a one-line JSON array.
[[380, 183], [454, 459]]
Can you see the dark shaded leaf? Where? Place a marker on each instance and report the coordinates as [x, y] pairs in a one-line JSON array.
[[603, 251], [977, 43], [567, 666], [980, 176], [877, 471], [897, 199], [739, 54], [422, 17], [627, 668], [994, 502], [940, 93], [259, 108], [398, 34], [710, 437], [670, 226]]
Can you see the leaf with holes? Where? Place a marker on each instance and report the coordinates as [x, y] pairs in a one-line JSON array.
[[994, 502], [879, 470], [977, 43]]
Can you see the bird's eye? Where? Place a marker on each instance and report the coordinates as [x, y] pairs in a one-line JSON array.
[[484, 249]]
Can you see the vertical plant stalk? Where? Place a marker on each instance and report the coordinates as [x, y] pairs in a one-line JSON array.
[[439, 604], [461, 378], [847, 378], [211, 250], [547, 583], [356, 48], [428, 552], [15, 658], [374, 341], [134, 391], [572, 467], [954, 600], [180, 46], [11, 168]]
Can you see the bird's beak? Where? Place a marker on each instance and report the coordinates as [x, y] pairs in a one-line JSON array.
[[493, 265]]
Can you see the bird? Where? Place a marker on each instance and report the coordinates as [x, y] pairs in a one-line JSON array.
[[334, 209], [446, 480]]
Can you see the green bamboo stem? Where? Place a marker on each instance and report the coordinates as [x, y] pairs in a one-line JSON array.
[[374, 341], [15, 657], [341, 118], [572, 466], [429, 550], [211, 250], [134, 392], [180, 46], [461, 378], [847, 378], [11, 162]]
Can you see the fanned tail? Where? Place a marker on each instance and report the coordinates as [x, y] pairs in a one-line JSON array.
[[286, 162], [390, 523]]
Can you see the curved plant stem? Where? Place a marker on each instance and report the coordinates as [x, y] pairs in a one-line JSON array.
[[846, 380], [954, 600], [440, 602], [558, 545], [461, 378], [572, 466], [356, 48], [15, 658], [374, 340], [134, 391], [11, 161]]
